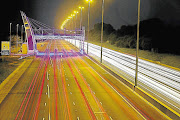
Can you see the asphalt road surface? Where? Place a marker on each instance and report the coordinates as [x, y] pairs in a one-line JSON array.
[[71, 87]]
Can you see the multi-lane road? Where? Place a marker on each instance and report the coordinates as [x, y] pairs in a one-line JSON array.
[[72, 87]]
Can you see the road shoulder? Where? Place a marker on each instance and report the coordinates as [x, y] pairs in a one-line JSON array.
[[11, 80]]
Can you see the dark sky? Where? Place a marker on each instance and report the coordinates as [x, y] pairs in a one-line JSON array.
[[117, 12]]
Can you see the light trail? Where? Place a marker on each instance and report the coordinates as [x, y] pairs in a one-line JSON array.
[[64, 89], [40, 94], [95, 98], [27, 103], [55, 84], [84, 98], [161, 81], [97, 101], [34, 78]]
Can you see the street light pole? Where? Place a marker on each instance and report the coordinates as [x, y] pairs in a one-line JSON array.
[[137, 47], [88, 22], [102, 27], [81, 18], [75, 17], [10, 37], [17, 38], [22, 34]]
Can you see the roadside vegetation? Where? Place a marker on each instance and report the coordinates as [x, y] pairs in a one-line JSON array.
[[7, 66], [158, 42]]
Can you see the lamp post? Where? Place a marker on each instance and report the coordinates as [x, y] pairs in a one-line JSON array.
[[69, 21], [137, 46], [89, 1], [81, 8], [72, 15], [17, 38], [102, 27], [10, 37], [75, 12], [22, 34]]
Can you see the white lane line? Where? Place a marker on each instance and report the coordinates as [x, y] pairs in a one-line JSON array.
[[47, 76], [110, 118], [48, 91], [112, 86], [49, 116]]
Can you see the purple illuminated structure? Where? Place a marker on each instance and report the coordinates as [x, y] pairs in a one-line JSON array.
[[37, 31]]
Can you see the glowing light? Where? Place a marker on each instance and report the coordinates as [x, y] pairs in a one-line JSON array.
[[81, 7], [88, 0], [76, 12], [64, 23]]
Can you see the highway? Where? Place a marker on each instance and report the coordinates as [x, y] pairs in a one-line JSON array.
[[72, 87], [159, 81]]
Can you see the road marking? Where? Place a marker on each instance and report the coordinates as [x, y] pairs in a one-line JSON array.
[[113, 87], [47, 76], [48, 91], [99, 112], [74, 103], [49, 116], [78, 118], [110, 118], [45, 104]]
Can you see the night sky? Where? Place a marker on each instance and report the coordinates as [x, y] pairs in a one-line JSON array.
[[117, 12]]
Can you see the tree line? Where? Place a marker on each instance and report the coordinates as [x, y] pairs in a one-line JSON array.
[[155, 36]]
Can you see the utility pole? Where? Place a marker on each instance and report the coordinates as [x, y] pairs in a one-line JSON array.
[[137, 46], [22, 34], [10, 37], [17, 38], [102, 27], [88, 22]]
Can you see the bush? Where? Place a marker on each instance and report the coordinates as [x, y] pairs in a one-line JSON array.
[[145, 43], [112, 38], [126, 42]]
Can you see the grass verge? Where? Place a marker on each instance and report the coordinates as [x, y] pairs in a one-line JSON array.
[[7, 65], [167, 59]]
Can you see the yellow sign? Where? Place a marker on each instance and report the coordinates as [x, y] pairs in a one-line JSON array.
[[5, 47], [24, 48]]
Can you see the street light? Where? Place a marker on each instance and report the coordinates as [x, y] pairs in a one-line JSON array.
[[22, 34], [69, 22], [64, 23], [75, 12], [17, 38], [81, 8], [89, 1], [137, 46], [102, 28], [72, 15], [10, 37]]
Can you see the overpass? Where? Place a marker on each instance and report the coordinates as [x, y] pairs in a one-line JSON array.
[[37, 31]]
